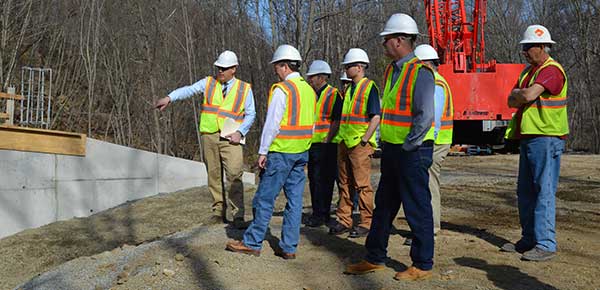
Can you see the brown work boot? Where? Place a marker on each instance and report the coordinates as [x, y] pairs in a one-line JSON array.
[[239, 247], [413, 274], [284, 255], [362, 267]]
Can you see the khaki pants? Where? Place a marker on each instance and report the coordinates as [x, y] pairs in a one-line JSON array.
[[439, 154], [355, 172], [221, 156]]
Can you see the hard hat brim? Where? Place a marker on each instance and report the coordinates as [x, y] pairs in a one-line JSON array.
[[317, 73], [525, 41], [225, 65], [284, 59], [349, 62], [385, 33]]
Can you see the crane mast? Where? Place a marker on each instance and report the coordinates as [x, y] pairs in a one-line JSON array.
[[458, 40], [479, 86]]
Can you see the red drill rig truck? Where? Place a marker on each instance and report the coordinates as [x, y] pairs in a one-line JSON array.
[[479, 88]]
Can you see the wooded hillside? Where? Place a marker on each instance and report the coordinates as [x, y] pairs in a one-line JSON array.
[[112, 59]]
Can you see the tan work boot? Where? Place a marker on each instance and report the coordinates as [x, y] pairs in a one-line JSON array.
[[362, 267], [413, 274], [239, 247]]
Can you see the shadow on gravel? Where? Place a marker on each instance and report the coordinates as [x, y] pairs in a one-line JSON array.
[[205, 279], [479, 233], [503, 276], [347, 251]]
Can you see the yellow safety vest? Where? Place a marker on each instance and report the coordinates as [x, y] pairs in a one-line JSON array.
[[295, 132], [445, 133], [233, 103], [546, 115], [213, 98], [324, 110], [355, 119], [396, 120]]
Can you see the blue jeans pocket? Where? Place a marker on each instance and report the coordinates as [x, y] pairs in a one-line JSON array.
[[558, 148]]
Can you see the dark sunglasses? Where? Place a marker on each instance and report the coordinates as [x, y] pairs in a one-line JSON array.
[[350, 65], [527, 46], [222, 69]]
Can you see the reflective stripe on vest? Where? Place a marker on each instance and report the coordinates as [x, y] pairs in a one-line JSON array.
[[233, 104], [213, 97], [546, 115], [295, 132], [323, 113], [447, 119], [396, 119], [355, 120]]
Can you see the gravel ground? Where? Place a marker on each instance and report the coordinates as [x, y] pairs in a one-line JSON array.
[[478, 215]]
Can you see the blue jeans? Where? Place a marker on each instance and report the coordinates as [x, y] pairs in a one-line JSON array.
[[404, 181], [283, 170], [539, 169], [322, 172]]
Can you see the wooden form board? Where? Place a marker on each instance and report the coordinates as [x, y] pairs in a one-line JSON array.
[[10, 96], [42, 141]]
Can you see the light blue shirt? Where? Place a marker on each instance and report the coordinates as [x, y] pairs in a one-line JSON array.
[[439, 101], [200, 87]]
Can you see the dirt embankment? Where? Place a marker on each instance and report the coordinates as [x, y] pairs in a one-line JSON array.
[[479, 214]]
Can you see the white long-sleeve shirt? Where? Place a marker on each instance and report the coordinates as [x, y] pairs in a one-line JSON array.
[[274, 116], [200, 87]]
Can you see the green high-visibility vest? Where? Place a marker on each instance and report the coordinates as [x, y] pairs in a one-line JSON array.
[[296, 127], [323, 113], [213, 98], [233, 103], [396, 120], [546, 115], [445, 133], [355, 119]]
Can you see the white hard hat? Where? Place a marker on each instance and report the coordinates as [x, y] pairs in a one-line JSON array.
[[344, 77], [318, 67], [356, 55], [400, 23], [426, 52], [286, 52], [226, 59], [536, 34]]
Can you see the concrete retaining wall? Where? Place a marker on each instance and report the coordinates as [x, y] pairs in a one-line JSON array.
[[37, 189]]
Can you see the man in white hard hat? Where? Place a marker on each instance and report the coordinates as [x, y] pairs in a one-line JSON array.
[[345, 83], [225, 96], [283, 153], [322, 156], [444, 116], [407, 135], [360, 117], [541, 126]]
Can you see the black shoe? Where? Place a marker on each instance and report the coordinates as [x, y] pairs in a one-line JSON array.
[[359, 232], [518, 247], [240, 224], [314, 222], [337, 229]]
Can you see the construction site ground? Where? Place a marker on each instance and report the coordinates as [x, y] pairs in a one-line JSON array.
[[169, 242]]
